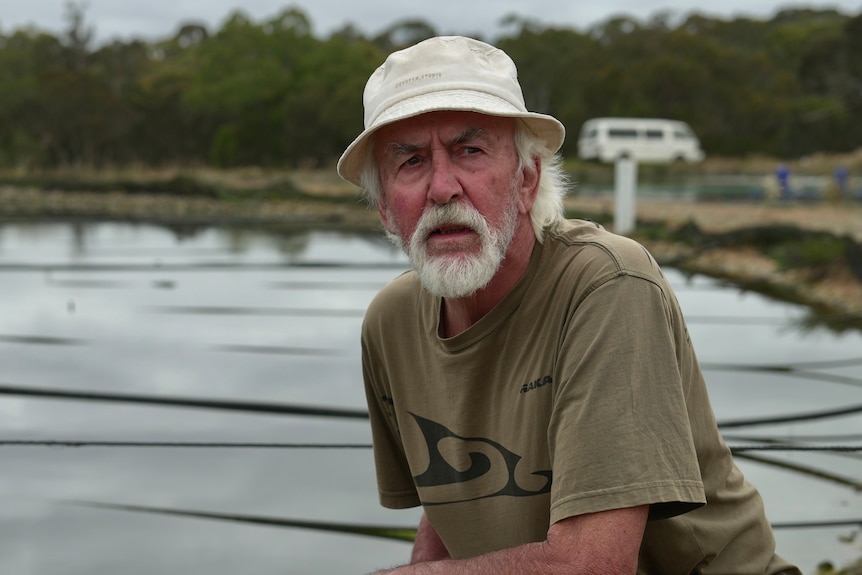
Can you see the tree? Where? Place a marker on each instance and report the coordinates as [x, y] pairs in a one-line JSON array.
[[271, 93], [402, 34], [557, 70], [831, 73]]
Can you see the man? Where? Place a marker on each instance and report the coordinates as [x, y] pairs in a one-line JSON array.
[[531, 382]]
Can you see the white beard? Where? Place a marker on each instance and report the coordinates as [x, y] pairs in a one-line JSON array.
[[454, 276]]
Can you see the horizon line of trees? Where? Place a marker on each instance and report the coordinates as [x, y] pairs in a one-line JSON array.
[[271, 93]]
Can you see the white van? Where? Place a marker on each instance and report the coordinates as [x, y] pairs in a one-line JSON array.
[[640, 139]]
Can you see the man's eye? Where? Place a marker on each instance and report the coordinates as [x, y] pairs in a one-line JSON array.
[[470, 150], [412, 161]]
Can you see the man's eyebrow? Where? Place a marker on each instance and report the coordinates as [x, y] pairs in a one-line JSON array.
[[406, 148], [468, 135], [401, 149]]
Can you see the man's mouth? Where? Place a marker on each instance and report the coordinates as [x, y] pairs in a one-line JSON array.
[[446, 230]]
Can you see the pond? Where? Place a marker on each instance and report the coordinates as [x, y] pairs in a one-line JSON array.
[[231, 315]]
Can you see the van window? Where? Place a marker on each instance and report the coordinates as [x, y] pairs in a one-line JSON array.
[[654, 135], [622, 133], [681, 134]]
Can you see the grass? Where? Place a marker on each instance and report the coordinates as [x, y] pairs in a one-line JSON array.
[[809, 251]]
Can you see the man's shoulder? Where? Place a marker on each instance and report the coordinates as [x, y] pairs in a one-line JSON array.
[[398, 298], [588, 233], [593, 246]]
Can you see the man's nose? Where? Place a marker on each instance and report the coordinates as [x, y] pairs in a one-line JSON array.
[[444, 186]]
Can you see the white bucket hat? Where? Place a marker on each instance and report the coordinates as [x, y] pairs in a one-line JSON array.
[[444, 73]]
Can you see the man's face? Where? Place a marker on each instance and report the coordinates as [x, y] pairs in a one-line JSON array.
[[452, 196]]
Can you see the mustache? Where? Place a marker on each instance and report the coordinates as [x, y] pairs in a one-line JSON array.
[[448, 216]]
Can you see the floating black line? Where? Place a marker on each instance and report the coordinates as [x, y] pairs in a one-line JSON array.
[[261, 311], [41, 340], [799, 366], [811, 375], [398, 533], [177, 444], [229, 405], [824, 448], [195, 267], [88, 284], [264, 407], [281, 350], [322, 285], [804, 469], [750, 422], [791, 439], [731, 320], [816, 524], [265, 445]]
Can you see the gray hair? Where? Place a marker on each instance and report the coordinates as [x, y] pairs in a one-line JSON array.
[[553, 184]]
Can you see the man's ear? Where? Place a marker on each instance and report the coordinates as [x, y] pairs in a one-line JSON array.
[[529, 186]]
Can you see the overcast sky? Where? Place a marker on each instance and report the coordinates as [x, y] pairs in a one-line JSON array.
[[153, 19]]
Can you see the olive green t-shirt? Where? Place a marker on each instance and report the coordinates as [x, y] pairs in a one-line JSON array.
[[579, 392]]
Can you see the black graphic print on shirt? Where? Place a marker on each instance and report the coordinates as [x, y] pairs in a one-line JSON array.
[[473, 468]]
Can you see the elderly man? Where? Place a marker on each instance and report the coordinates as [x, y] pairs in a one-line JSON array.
[[531, 382]]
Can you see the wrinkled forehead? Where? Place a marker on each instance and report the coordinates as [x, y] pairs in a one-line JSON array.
[[443, 126]]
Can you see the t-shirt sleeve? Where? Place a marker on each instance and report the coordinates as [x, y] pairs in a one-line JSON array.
[[395, 484], [620, 434]]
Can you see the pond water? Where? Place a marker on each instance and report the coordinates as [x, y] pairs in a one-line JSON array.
[[228, 314]]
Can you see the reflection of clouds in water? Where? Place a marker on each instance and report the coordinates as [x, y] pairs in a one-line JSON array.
[[334, 485], [14, 414], [788, 497], [136, 352], [40, 242], [751, 395], [50, 539]]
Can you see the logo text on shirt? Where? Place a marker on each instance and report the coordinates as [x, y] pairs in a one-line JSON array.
[[535, 384]]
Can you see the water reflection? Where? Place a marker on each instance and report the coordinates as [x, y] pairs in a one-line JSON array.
[[139, 317]]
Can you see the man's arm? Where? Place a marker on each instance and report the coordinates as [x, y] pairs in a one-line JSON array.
[[596, 543], [427, 546]]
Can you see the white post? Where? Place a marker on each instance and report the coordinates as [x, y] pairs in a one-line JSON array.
[[626, 177]]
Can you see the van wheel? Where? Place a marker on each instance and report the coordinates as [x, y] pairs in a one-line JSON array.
[[678, 159], [624, 155]]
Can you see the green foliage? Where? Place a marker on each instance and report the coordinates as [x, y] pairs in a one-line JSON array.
[[402, 34], [809, 252], [271, 93]]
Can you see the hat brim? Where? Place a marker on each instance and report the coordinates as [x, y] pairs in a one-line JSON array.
[[547, 128]]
